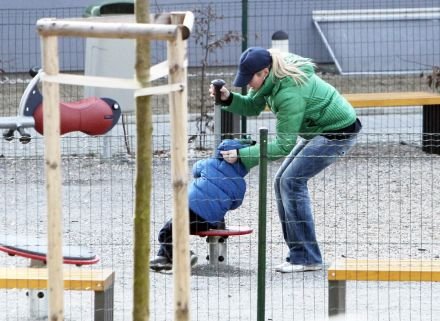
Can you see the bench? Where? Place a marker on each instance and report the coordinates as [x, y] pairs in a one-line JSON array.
[[216, 239], [34, 278], [431, 111], [403, 270], [392, 99], [100, 281]]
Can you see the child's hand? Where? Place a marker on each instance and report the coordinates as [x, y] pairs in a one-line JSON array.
[[231, 156]]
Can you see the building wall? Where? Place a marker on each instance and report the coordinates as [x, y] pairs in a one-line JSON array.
[[21, 48]]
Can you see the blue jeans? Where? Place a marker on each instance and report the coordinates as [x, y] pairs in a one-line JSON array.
[[307, 158], [196, 224]]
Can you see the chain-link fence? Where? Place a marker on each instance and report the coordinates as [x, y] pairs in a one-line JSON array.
[[377, 202]]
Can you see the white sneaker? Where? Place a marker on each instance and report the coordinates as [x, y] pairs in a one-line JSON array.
[[282, 265], [286, 267]]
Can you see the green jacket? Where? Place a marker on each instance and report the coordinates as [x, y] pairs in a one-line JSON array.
[[306, 110]]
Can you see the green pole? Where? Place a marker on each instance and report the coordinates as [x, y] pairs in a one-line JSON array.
[[244, 45], [262, 192]]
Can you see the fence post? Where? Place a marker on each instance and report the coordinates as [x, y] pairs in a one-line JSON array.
[[262, 195], [280, 40], [244, 45], [431, 129]]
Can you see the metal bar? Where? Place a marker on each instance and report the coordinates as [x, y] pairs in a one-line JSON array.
[[244, 44], [16, 122], [336, 297], [262, 195], [431, 129], [376, 14], [104, 304], [38, 303], [327, 45], [217, 250]]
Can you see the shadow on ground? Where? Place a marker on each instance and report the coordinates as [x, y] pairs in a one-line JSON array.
[[221, 271]]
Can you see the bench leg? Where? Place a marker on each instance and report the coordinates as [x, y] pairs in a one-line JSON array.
[[217, 250], [104, 305], [431, 137], [38, 303], [336, 297]]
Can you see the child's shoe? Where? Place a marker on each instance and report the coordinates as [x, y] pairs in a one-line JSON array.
[[193, 258], [161, 263]]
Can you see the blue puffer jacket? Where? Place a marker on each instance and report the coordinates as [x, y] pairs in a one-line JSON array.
[[217, 186]]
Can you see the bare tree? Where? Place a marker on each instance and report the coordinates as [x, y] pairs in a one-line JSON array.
[[205, 37], [433, 80], [144, 165]]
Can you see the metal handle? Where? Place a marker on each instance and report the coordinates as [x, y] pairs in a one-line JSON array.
[[218, 84]]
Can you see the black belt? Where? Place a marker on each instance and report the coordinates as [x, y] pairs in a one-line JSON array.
[[345, 133]]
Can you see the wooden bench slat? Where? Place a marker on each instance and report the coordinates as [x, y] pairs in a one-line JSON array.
[[384, 270], [74, 279], [392, 99]]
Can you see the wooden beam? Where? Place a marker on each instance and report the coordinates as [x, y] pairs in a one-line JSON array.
[[156, 72], [384, 270], [393, 99], [185, 20], [80, 28], [159, 90], [93, 81], [81, 279], [163, 18], [52, 156], [179, 175]]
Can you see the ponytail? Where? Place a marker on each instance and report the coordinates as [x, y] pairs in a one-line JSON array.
[[291, 68]]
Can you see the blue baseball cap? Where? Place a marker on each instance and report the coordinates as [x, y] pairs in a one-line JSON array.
[[252, 60]]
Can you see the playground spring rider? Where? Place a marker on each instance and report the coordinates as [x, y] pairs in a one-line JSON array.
[[92, 116]]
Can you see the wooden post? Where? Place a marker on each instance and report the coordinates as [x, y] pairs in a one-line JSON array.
[[179, 175], [175, 35], [52, 155]]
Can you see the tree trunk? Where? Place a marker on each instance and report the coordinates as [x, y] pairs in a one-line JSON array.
[[144, 130]]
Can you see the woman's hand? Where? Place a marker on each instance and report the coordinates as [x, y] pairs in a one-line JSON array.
[[231, 156], [224, 92]]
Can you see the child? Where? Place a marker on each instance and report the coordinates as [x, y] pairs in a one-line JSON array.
[[217, 188]]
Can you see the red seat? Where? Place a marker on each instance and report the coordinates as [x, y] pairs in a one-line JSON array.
[[216, 240], [230, 231]]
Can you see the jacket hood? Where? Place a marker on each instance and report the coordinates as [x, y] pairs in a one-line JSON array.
[[229, 144], [306, 66], [271, 82]]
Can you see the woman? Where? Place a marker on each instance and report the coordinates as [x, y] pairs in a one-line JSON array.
[[304, 105]]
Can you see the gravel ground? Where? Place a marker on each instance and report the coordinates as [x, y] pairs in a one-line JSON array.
[[380, 201]]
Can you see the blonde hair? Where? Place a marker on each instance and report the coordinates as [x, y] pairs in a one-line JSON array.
[[281, 68]]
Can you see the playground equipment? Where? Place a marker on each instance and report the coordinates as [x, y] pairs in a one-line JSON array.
[[388, 270], [217, 244], [34, 278], [92, 116], [173, 28]]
